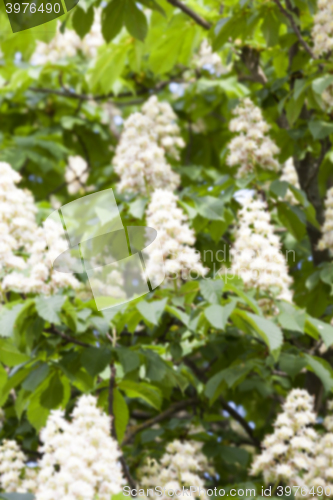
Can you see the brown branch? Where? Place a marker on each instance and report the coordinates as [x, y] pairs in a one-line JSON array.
[[191, 13], [66, 337], [162, 416], [86, 97], [236, 416], [289, 16]]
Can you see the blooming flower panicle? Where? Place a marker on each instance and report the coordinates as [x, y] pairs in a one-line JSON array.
[[21, 235], [251, 146], [256, 255], [175, 236], [289, 174], [207, 59], [76, 174], [182, 465], [322, 31], [165, 126], [139, 161]]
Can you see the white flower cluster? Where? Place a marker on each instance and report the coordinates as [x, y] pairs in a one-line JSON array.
[[326, 241], [139, 161], [289, 174], [288, 452], [76, 174], [14, 475], [181, 465], [175, 236], [207, 59], [80, 458], [20, 234], [251, 147], [256, 255], [296, 453], [165, 126], [68, 44], [322, 32]]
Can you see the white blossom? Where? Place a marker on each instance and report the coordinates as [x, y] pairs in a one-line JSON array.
[[182, 464], [68, 44], [289, 174], [21, 235], [322, 31], [256, 255], [165, 126], [251, 146], [139, 161], [12, 463], [76, 174], [176, 239], [288, 452], [207, 59], [306, 457], [326, 241]]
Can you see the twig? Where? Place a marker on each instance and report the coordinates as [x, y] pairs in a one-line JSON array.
[[198, 19], [66, 337], [86, 97], [162, 416], [240, 420], [289, 16]]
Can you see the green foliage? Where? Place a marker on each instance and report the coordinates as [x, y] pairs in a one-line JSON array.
[[184, 350]]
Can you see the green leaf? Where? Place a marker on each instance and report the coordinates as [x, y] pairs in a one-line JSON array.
[[152, 311], [121, 414], [95, 359], [7, 320], [135, 21], [292, 219], [82, 20], [270, 28], [211, 290], [49, 307], [10, 355], [129, 360], [147, 392], [53, 394], [234, 454], [36, 377], [108, 67], [266, 329], [153, 5], [228, 377], [279, 188], [322, 369], [291, 364], [137, 207], [325, 330], [291, 318], [320, 84], [218, 315], [320, 129], [113, 19], [183, 317]]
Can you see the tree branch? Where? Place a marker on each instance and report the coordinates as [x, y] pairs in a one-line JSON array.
[[162, 416], [191, 13], [86, 97], [66, 337], [289, 16]]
